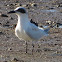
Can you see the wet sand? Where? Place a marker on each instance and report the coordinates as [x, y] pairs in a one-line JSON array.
[[48, 49]]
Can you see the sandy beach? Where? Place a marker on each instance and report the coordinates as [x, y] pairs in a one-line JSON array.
[[48, 49]]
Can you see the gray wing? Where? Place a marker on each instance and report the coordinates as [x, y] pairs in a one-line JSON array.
[[34, 32]]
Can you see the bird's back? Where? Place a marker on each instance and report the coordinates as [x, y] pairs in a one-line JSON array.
[[35, 32]]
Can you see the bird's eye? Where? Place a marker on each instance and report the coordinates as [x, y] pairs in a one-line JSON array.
[[21, 10]]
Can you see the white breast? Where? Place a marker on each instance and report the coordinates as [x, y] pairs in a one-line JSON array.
[[21, 34]]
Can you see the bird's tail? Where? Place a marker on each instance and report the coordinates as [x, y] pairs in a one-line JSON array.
[[48, 28]]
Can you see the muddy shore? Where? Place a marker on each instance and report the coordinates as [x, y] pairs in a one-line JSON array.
[[48, 49]]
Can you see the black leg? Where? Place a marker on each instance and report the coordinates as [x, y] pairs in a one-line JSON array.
[[26, 46], [32, 48]]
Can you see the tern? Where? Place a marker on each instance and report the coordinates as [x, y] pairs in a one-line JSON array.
[[25, 29]]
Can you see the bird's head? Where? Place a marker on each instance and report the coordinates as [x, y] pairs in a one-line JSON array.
[[18, 11]]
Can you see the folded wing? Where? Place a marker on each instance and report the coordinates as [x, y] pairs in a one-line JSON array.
[[35, 32]]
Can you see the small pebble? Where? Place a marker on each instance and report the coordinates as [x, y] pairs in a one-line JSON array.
[[38, 50], [3, 15], [12, 18], [9, 49], [60, 5], [0, 23], [7, 22], [5, 61], [18, 4], [14, 25], [22, 61], [47, 49], [27, 5], [1, 32], [14, 60], [17, 1], [61, 46], [6, 25], [34, 5], [48, 22]]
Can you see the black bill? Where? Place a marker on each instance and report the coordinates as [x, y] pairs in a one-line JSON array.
[[11, 12]]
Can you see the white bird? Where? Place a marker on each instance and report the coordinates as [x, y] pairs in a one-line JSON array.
[[25, 29]]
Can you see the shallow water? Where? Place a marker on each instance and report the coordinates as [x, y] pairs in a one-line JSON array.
[[60, 27], [54, 27], [49, 11]]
